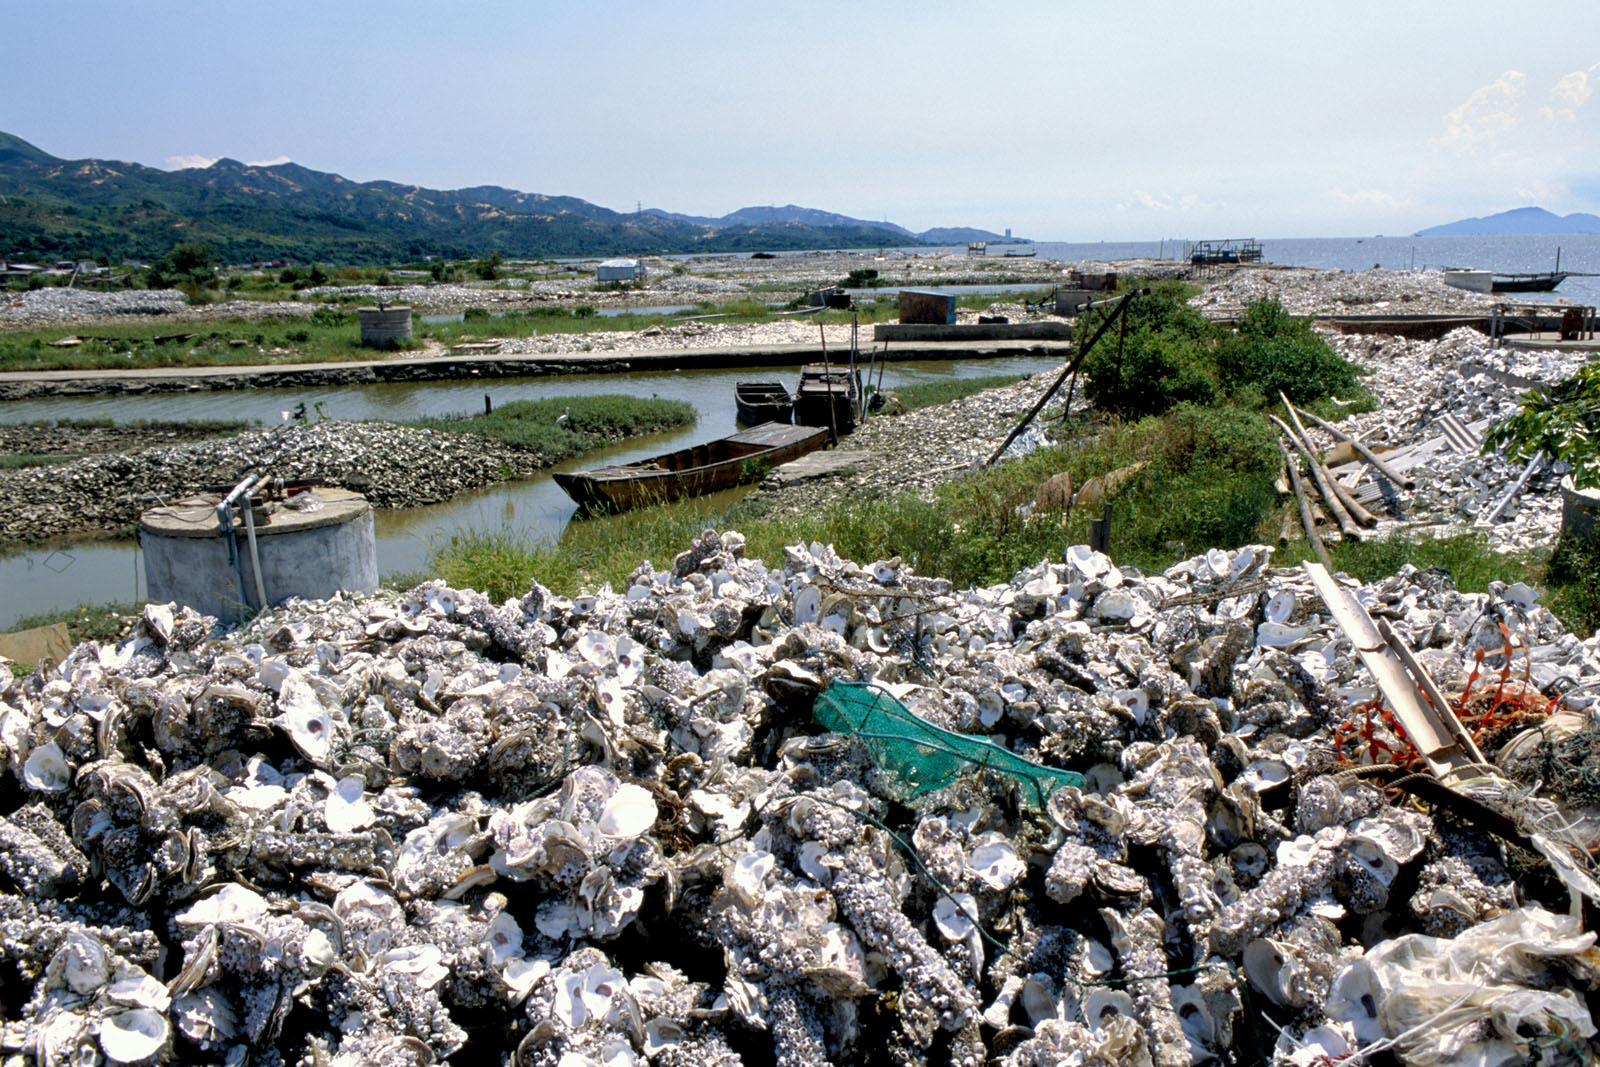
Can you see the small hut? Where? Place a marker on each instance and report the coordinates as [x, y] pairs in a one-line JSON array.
[[619, 270]]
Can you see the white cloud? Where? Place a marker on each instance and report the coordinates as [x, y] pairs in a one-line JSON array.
[[189, 162], [273, 162], [1569, 93], [1140, 200], [1369, 198], [1489, 111]]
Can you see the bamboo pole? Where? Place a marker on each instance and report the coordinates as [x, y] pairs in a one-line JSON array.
[[1366, 453], [1306, 519], [1346, 497], [827, 378], [1347, 525]]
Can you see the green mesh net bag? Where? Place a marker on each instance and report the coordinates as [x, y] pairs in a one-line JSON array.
[[921, 756]]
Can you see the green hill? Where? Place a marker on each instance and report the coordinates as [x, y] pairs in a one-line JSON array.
[[54, 208]]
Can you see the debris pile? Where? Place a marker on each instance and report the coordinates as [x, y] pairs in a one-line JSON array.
[[612, 830], [1434, 401]]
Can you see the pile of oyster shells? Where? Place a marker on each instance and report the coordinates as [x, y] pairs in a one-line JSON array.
[[1309, 291], [402, 829], [392, 465]]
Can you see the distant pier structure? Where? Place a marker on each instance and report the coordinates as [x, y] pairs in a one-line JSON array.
[[1229, 250]]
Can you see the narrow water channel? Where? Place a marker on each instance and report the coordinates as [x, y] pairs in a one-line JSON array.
[[95, 571]]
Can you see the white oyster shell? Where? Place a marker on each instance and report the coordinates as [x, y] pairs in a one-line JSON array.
[[46, 769], [628, 813], [134, 1036], [346, 809]]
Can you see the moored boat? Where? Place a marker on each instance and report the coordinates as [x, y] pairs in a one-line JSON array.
[[1528, 283], [758, 402], [829, 397], [721, 464]]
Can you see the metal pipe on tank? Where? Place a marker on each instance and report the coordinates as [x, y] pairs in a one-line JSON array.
[[246, 486], [255, 556]]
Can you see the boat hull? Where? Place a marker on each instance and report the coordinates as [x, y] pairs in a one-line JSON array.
[[706, 468], [1528, 283], [759, 402], [827, 397]]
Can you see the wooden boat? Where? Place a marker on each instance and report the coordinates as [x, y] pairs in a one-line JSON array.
[[758, 402], [1022, 255], [1535, 282], [1528, 283], [720, 464], [829, 397]]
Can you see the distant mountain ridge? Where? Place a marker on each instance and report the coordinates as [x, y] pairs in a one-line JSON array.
[[1517, 221], [58, 208]]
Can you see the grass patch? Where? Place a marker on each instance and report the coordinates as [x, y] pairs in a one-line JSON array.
[[1466, 558], [1573, 580], [133, 347], [927, 394], [105, 623], [585, 421], [20, 460]]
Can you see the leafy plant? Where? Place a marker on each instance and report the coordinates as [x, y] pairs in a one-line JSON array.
[[1273, 351], [1562, 421]]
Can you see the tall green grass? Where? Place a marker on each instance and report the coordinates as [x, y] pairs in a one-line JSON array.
[[559, 427], [927, 394], [1207, 481]]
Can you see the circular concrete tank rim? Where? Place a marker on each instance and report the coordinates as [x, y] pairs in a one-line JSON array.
[[196, 516]]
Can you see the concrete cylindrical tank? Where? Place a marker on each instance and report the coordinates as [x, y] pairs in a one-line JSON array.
[[384, 327], [306, 554]]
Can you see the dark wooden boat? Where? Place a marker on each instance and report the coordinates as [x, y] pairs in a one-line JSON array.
[[1528, 283], [720, 464], [758, 402], [829, 397]]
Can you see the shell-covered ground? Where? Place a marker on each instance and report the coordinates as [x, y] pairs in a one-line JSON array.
[[608, 830]]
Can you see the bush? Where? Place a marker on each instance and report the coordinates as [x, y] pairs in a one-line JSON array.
[[327, 316], [1273, 351], [475, 314], [488, 269], [1153, 371]]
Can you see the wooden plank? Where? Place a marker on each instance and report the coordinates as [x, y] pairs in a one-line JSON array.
[[1440, 745]]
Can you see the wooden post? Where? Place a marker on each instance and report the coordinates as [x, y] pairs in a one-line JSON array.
[[1100, 530], [488, 405]]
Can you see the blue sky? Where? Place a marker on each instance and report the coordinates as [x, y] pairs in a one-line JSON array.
[[1065, 121]]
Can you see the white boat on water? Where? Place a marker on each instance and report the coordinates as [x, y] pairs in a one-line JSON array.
[[1478, 281]]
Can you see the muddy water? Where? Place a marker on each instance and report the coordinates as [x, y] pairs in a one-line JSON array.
[[96, 571]]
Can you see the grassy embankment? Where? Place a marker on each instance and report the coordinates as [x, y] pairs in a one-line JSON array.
[[333, 335], [1182, 399]]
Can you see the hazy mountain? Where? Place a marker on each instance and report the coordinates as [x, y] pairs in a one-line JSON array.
[[57, 208], [1518, 220], [791, 213]]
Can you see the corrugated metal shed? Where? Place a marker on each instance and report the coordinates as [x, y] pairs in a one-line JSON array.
[[617, 270]]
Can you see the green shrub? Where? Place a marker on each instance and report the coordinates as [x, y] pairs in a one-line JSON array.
[[1273, 351], [1563, 421], [475, 314], [329, 316], [1148, 372]]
